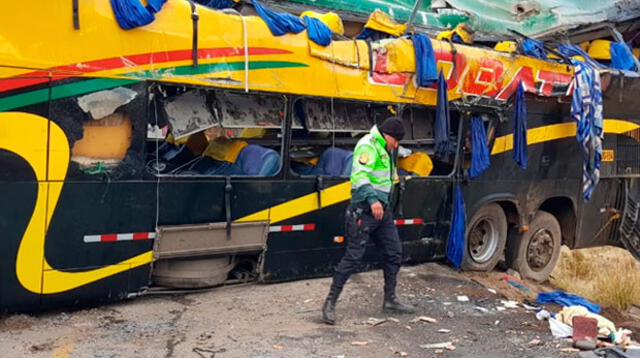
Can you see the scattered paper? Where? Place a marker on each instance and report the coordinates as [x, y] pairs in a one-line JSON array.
[[463, 299], [509, 304]]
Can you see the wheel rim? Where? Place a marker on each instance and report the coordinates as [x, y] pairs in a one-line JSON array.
[[540, 250], [483, 240]]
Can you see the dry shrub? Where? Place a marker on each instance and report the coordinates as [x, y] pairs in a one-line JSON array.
[[608, 276]]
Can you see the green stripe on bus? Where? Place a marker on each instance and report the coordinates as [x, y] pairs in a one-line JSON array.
[[213, 68]]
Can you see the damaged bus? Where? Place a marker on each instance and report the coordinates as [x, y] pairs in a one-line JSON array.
[[200, 148]]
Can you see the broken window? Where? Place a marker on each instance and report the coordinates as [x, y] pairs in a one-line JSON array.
[[337, 116], [330, 130], [215, 132], [104, 128]]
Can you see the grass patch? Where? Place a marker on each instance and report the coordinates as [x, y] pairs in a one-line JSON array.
[[606, 275]]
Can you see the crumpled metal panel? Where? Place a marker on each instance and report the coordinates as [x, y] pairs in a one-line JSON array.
[[496, 17], [399, 9], [536, 17]]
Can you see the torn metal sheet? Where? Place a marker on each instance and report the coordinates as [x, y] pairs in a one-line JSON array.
[[189, 113], [103, 103], [530, 17]]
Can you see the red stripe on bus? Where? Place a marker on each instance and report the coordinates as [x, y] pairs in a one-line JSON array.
[[42, 76], [108, 237], [140, 235]]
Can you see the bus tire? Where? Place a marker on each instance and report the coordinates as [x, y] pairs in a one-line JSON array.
[[485, 239], [534, 253]]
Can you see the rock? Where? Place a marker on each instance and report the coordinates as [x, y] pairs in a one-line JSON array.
[[534, 342], [513, 273]]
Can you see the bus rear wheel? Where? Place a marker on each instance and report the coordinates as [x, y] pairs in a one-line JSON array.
[[486, 237], [534, 253]]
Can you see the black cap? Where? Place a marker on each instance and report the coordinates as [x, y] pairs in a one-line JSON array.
[[392, 126]]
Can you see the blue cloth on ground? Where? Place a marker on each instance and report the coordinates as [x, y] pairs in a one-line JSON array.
[[131, 13], [586, 111], [479, 150], [426, 69], [317, 31], [567, 299], [621, 56], [455, 243], [520, 129], [534, 48], [279, 23], [443, 144]]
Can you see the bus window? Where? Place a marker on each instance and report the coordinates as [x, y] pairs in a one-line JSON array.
[[416, 152], [331, 130], [217, 133], [105, 130]]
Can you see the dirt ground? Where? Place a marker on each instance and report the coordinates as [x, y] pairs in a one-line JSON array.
[[283, 320]]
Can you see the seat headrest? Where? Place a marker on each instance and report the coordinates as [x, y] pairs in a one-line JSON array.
[[336, 162], [258, 160]]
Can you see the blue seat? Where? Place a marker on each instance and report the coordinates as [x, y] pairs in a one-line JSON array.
[[257, 160], [334, 162]]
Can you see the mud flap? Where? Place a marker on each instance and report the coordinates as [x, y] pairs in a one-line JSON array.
[[629, 227]]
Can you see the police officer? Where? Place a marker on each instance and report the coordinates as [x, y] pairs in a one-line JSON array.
[[368, 216]]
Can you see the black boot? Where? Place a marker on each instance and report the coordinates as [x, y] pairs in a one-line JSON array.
[[392, 305], [328, 309]]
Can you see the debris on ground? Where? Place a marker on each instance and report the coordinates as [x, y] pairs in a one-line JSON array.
[[534, 342], [359, 343], [372, 321], [424, 319], [443, 345], [515, 283], [444, 330]]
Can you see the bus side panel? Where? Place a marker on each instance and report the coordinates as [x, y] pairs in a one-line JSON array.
[[19, 189], [16, 208], [428, 199], [548, 173], [315, 253], [88, 212]]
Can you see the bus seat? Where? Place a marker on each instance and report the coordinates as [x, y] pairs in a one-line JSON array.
[[417, 163], [335, 162], [208, 166], [257, 160]]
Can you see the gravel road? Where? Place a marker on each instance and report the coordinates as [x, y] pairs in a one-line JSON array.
[[283, 320]]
